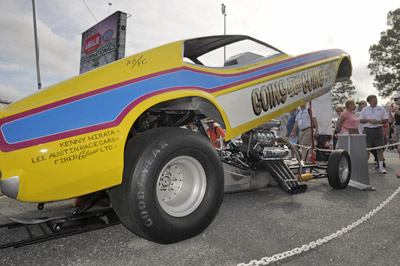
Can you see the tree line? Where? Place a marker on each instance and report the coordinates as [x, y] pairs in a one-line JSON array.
[[385, 57]]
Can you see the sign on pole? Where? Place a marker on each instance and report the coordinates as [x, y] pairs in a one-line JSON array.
[[104, 42]]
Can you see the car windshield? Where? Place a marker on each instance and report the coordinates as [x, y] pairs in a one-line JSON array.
[[227, 50]]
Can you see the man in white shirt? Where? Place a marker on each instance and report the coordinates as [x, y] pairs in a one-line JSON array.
[[373, 117], [303, 122]]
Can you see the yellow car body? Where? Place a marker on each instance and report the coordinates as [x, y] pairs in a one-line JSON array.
[[69, 139]]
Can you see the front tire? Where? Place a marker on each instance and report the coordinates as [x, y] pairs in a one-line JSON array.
[[172, 186], [339, 169]]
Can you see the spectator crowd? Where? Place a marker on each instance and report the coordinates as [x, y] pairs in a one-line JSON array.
[[381, 125]]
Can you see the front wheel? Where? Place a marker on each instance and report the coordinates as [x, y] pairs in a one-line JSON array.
[[172, 186], [339, 169]]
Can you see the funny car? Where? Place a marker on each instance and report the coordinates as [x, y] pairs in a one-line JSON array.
[[119, 128]]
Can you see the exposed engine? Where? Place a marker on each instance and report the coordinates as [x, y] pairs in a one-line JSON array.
[[259, 150], [256, 145]]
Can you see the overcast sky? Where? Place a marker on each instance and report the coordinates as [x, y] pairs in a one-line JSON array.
[[294, 27]]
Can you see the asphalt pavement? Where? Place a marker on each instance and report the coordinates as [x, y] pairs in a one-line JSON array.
[[249, 226]]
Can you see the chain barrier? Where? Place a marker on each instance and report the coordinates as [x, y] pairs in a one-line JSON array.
[[314, 244], [384, 146], [330, 150], [315, 148]]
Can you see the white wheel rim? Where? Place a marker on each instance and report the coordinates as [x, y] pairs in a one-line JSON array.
[[343, 169], [181, 186]]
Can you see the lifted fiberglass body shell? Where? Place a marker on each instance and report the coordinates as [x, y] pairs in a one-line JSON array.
[[69, 139]]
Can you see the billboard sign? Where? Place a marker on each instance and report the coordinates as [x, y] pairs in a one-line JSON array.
[[104, 42]]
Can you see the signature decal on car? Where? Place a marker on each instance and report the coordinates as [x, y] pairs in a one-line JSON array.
[[80, 148], [137, 62]]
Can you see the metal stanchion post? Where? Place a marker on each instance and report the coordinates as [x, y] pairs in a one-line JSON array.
[[355, 145]]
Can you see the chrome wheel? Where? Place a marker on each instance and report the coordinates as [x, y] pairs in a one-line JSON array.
[[181, 186]]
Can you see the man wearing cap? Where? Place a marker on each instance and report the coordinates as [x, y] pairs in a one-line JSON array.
[[373, 117], [396, 119], [214, 132]]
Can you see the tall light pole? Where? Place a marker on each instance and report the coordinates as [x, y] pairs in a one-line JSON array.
[[223, 9], [36, 44]]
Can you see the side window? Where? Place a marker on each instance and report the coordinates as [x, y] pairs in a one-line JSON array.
[[214, 58], [238, 53]]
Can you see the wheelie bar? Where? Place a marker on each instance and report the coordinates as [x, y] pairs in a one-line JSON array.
[[44, 229], [284, 176]]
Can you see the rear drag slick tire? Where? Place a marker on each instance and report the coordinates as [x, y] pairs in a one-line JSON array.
[[172, 185]]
